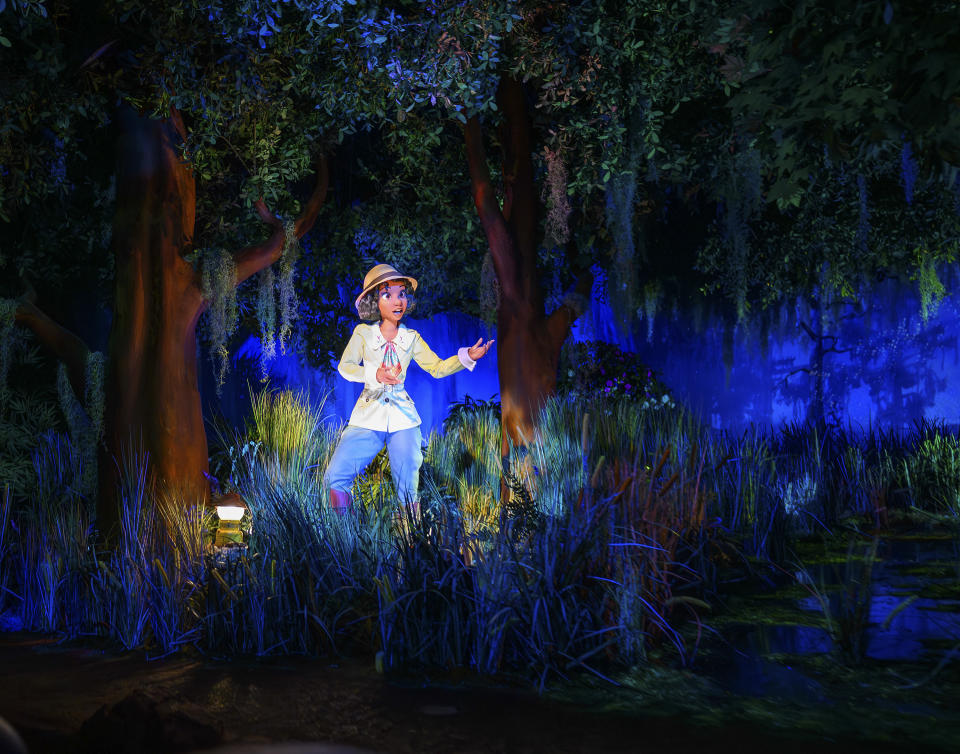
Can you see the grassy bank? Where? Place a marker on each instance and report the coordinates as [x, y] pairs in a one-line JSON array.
[[626, 523]]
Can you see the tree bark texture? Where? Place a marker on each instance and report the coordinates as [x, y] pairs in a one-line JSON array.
[[152, 396], [528, 340]]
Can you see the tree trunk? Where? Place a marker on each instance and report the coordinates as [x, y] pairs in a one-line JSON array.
[[152, 399], [817, 370], [528, 341]]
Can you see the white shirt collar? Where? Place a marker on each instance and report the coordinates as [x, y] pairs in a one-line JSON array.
[[402, 339]]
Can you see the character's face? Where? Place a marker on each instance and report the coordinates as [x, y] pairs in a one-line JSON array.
[[392, 298]]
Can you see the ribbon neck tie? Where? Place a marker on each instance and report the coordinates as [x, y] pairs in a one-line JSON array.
[[390, 360]]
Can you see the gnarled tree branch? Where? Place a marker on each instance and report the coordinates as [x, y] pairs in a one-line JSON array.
[[252, 259], [562, 318], [64, 344], [491, 218]]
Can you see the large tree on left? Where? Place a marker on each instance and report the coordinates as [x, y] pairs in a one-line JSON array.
[[212, 115]]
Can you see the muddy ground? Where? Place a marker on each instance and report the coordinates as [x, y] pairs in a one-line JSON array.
[[70, 697]]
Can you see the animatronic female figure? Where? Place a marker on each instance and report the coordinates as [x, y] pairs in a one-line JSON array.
[[378, 355]]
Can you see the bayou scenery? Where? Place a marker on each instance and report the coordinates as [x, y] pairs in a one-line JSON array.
[[713, 497]]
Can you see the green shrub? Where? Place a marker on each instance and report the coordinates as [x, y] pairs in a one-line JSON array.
[[594, 368]]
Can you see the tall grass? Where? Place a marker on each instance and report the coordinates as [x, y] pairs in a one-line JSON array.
[[847, 610], [606, 549], [178, 572], [55, 536], [465, 461], [122, 579], [931, 473], [282, 421]]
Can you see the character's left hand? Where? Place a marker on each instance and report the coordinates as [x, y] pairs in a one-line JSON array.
[[477, 350]]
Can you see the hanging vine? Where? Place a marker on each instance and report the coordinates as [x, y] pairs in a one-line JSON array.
[[652, 293], [275, 292], [489, 290], [287, 294], [623, 282], [908, 171], [267, 317], [727, 255], [93, 396], [219, 282], [726, 347], [554, 194], [932, 290]]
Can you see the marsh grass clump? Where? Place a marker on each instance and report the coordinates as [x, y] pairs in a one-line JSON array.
[[50, 554], [178, 572], [618, 524], [931, 473], [469, 445], [6, 537], [810, 479], [284, 423], [846, 608], [463, 461], [591, 564], [306, 579]]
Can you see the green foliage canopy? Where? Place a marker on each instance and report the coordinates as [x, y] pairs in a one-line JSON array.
[[856, 78], [844, 151], [796, 122]]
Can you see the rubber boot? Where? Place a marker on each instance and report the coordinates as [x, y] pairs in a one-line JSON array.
[[340, 502]]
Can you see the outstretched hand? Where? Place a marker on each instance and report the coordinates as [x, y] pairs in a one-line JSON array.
[[479, 349]]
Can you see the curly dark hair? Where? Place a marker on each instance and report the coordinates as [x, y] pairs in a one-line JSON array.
[[369, 307]]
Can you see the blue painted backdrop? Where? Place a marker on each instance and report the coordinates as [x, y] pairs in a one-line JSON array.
[[882, 365]]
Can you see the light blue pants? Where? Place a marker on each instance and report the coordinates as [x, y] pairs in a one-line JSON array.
[[359, 446]]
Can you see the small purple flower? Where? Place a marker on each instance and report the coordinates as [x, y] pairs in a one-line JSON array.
[[609, 383], [627, 386]]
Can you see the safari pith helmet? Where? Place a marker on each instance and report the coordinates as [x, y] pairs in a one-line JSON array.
[[381, 273]]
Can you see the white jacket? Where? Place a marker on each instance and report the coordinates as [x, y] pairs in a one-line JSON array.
[[389, 407]]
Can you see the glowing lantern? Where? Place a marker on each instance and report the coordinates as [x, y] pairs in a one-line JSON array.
[[230, 511]]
